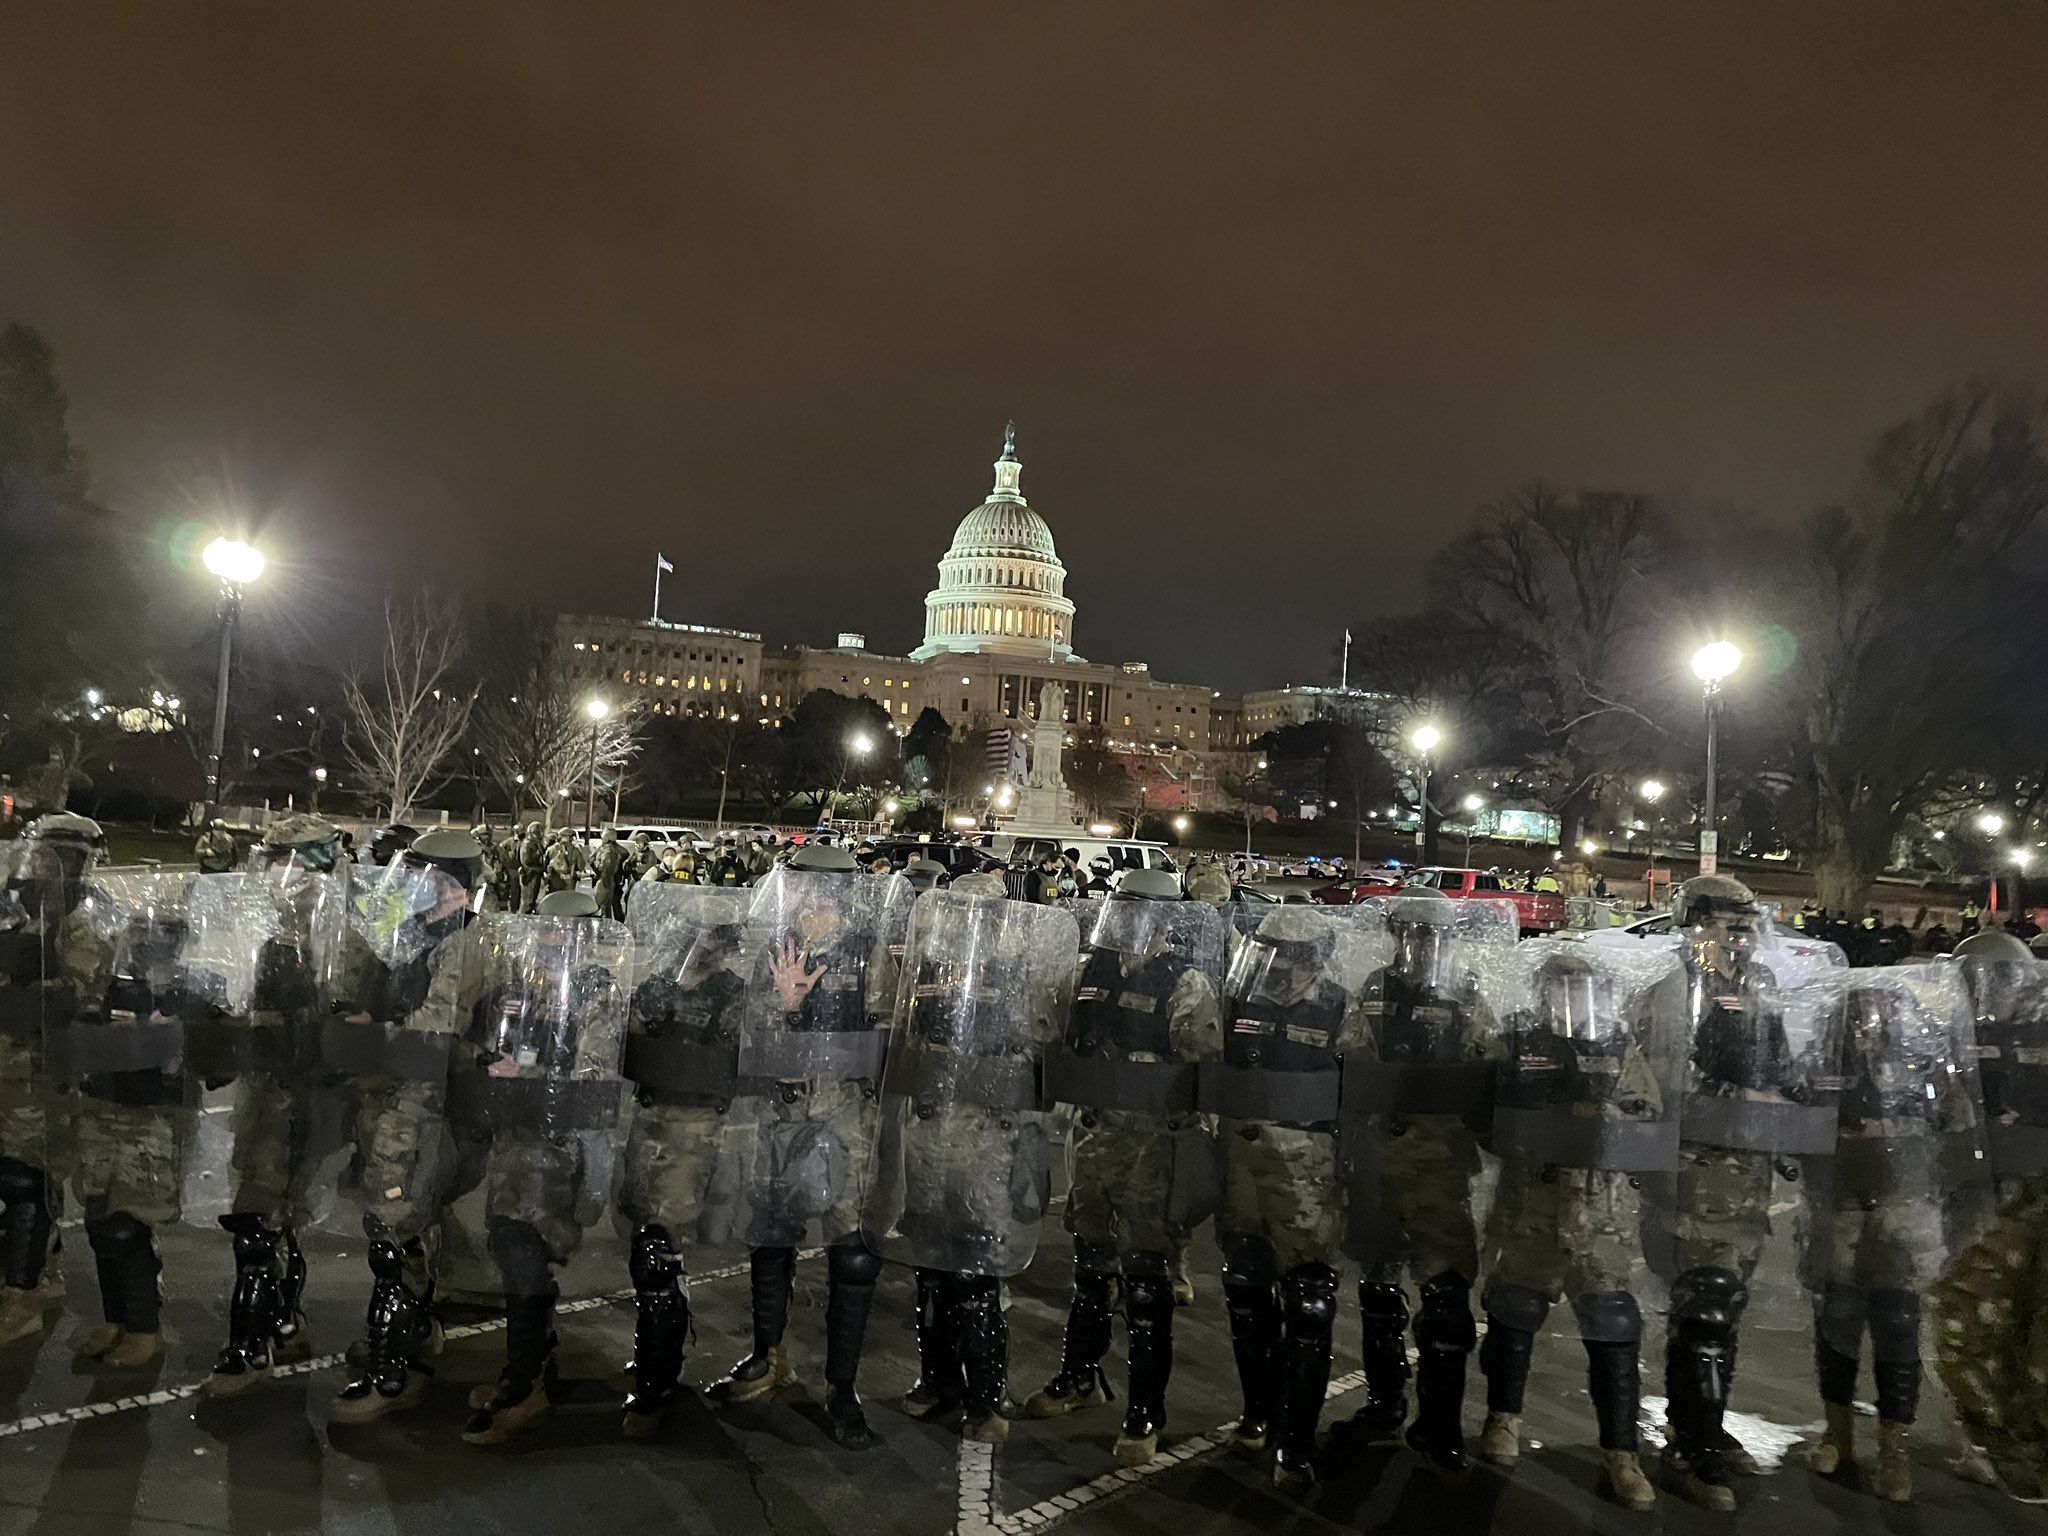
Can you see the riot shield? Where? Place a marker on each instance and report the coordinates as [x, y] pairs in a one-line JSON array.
[[405, 984], [122, 1050], [2009, 1004], [1906, 1184], [262, 954], [963, 1166], [535, 1091], [682, 1049], [1146, 1167], [1418, 1094], [813, 1038], [1586, 1105]]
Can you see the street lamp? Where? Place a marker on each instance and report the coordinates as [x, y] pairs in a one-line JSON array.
[[235, 565], [1473, 804], [1180, 824], [1424, 738], [596, 709], [1990, 823], [319, 783], [1713, 664]]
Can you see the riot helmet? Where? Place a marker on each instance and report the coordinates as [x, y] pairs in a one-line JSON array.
[[1423, 927]]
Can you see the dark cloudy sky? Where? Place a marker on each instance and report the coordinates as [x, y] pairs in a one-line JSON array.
[[1277, 293]]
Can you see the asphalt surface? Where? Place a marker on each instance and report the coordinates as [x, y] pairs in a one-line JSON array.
[[144, 1453]]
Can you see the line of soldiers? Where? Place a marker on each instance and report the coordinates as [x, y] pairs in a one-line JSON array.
[[524, 867], [889, 1070]]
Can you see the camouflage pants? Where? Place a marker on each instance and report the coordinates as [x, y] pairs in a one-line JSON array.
[[536, 1178], [975, 1186], [672, 1154], [1572, 1234], [403, 1141], [1720, 1215], [1121, 1202], [272, 1159], [1991, 1333], [794, 1166], [130, 1159], [1893, 1244], [1280, 1194], [26, 1103], [1410, 1200]]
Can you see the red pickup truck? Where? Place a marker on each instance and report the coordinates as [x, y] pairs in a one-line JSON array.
[[1538, 911]]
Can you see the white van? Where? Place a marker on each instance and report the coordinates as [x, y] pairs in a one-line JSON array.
[[1124, 853]]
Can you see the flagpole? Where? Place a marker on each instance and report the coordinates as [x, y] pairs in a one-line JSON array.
[[657, 589], [1344, 675]]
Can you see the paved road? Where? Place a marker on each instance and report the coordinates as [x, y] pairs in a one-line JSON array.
[[79, 1454]]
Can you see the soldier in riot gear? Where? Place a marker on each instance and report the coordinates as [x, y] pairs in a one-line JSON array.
[[544, 1076], [532, 861], [965, 1169], [278, 935], [410, 975], [47, 950], [806, 1116], [1416, 1108], [1752, 1107], [1289, 1017], [1587, 1103], [1146, 1011], [682, 1053], [1908, 1132], [215, 849], [923, 874], [608, 875]]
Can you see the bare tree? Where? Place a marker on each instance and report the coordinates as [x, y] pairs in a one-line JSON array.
[[534, 729], [402, 721]]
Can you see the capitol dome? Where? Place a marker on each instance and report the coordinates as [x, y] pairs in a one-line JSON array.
[[1001, 586]]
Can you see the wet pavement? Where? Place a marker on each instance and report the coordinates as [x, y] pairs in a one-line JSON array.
[[144, 1453]]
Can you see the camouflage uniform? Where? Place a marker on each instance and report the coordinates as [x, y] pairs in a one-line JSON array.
[[48, 951], [215, 850], [532, 865], [608, 875], [682, 1051], [1290, 1020], [564, 861], [965, 1169]]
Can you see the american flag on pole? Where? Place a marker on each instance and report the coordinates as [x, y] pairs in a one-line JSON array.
[[661, 562]]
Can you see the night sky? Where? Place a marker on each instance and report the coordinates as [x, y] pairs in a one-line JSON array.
[[515, 295]]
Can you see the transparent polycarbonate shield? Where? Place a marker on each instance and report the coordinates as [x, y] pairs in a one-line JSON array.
[[261, 957], [2009, 1009], [1908, 1183], [121, 1053], [813, 1039], [1586, 1109], [691, 967], [1147, 1010], [963, 1168]]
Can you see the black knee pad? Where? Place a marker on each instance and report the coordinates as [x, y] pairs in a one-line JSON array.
[[1445, 1318], [1383, 1304], [1248, 1261], [1088, 1255], [1147, 1265], [1146, 1293], [1712, 1297], [1308, 1297], [523, 1258], [114, 1236], [652, 1261], [978, 1297], [1894, 1325], [853, 1264], [23, 1184], [1608, 1317], [1520, 1307]]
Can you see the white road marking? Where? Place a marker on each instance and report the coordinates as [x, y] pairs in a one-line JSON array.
[[1766, 1440], [66, 1416], [981, 1516]]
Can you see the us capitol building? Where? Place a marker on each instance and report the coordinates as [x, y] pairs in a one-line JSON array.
[[998, 626]]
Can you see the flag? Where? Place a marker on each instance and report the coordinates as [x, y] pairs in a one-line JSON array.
[[661, 564], [1347, 637]]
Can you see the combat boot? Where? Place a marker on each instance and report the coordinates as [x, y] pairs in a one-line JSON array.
[[1626, 1480], [661, 1324], [1500, 1440], [1148, 1322], [397, 1327], [524, 1387], [124, 1252], [263, 1325], [767, 1367], [940, 1388], [1081, 1382], [30, 1284], [851, 1296], [984, 1336], [1383, 1350], [1894, 1480], [1614, 1376], [1513, 1313], [24, 1313], [1836, 1447]]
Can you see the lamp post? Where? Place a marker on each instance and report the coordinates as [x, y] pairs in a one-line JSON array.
[[319, 783], [1425, 739], [859, 744], [1474, 804], [235, 564], [1652, 790], [1713, 664], [597, 709]]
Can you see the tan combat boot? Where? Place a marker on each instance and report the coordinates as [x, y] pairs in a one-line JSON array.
[[1894, 1482], [498, 1420], [1626, 1480], [1500, 1442], [99, 1341], [1683, 1479], [134, 1350], [1836, 1447], [24, 1314]]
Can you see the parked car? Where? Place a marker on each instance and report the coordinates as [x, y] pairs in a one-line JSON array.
[[1348, 893], [1535, 911], [958, 858]]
